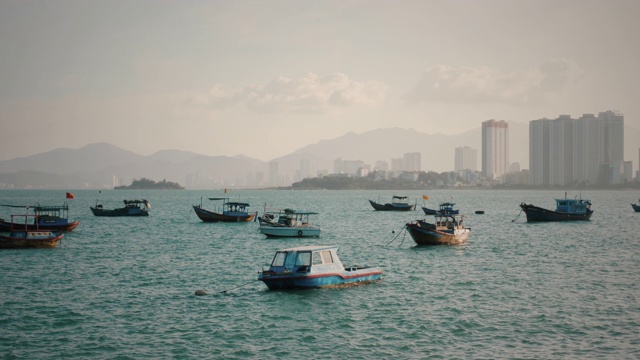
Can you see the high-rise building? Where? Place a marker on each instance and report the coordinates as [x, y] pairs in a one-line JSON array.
[[274, 174], [495, 148], [563, 151], [412, 161], [466, 159]]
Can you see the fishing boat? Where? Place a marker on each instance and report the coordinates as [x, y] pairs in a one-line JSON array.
[[398, 203], [289, 223], [566, 210], [44, 218], [447, 229], [21, 235], [306, 267], [231, 211], [636, 207], [131, 208], [445, 208]]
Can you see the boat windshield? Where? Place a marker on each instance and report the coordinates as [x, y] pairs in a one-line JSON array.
[[290, 260]]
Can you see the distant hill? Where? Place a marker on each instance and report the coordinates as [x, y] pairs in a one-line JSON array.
[[437, 150], [96, 165]]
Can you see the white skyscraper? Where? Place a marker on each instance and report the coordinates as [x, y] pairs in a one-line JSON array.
[[466, 158], [495, 148]]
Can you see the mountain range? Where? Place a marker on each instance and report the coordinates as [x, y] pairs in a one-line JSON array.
[[97, 165]]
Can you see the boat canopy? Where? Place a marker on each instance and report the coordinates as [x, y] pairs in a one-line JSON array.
[[230, 203], [399, 197], [133, 202]]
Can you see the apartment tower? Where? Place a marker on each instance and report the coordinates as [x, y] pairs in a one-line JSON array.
[[495, 149]]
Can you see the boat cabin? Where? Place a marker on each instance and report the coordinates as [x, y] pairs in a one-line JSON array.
[[306, 259], [573, 206], [231, 208], [444, 222], [52, 215], [399, 200], [291, 218]]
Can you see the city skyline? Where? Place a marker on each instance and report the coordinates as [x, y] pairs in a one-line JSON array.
[[263, 79], [588, 150]]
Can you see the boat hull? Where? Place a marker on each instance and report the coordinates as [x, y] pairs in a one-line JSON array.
[[284, 231], [119, 212], [425, 236], [428, 211], [210, 216], [636, 207], [342, 279], [391, 207], [17, 242], [57, 226], [538, 214]]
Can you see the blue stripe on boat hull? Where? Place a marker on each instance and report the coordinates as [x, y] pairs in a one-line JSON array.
[[306, 282]]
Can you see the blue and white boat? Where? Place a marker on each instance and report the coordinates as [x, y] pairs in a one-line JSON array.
[[398, 203], [314, 267], [446, 208], [566, 210], [289, 223]]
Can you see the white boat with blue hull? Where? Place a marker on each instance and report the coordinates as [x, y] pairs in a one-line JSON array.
[[289, 223], [306, 267]]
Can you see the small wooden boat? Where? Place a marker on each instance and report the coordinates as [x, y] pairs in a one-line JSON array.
[[314, 267], [45, 218], [447, 229], [21, 236], [231, 212], [289, 223], [566, 210], [131, 208], [445, 208], [398, 203]]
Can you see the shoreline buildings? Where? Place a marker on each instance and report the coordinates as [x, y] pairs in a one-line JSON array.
[[588, 150]]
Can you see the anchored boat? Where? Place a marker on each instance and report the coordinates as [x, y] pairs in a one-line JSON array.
[[445, 208], [131, 208], [232, 211], [289, 223], [22, 235], [566, 210], [398, 203], [314, 267], [447, 229], [45, 218]]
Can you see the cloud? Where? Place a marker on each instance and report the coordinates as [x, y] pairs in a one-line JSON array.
[[305, 94], [451, 84]]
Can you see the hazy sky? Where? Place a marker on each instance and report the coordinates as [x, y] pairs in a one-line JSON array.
[[265, 78]]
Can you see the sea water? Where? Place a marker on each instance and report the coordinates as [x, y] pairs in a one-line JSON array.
[[125, 287]]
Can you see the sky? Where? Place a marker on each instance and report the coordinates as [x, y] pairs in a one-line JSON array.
[[266, 78]]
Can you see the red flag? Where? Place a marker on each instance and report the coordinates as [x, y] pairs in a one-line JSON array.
[[70, 195]]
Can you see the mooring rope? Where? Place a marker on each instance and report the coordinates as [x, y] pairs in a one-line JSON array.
[[517, 216], [394, 239], [237, 287]]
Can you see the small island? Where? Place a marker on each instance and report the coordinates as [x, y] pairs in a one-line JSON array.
[[146, 184]]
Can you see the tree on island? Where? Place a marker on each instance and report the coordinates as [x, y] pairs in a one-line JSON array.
[[146, 184]]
